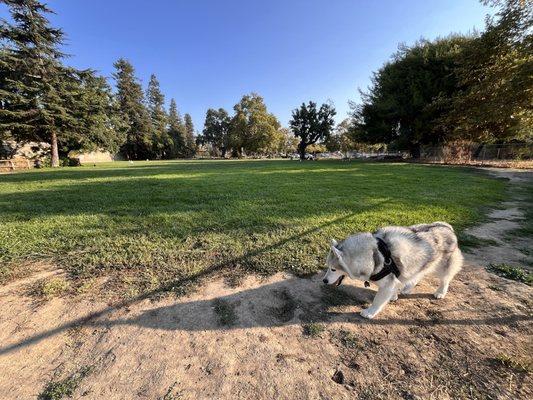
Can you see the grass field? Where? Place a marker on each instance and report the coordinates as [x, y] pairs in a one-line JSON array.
[[151, 224]]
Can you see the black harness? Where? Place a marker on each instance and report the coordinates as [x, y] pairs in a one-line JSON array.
[[389, 266]]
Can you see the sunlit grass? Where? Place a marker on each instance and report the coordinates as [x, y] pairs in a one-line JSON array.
[[158, 222]]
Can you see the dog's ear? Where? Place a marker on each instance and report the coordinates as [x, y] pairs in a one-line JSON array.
[[336, 252], [334, 243]]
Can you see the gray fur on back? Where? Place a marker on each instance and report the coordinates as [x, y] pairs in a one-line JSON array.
[[419, 247]]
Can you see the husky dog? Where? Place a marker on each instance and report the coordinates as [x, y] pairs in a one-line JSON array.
[[396, 258]]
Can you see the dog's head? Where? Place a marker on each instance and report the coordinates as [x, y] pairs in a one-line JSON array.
[[336, 266], [354, 257]]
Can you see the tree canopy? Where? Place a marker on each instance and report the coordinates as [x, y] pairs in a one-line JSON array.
[[189, 149], [252, 128], [493, 101], [474, 88], [131, 104], [161, 141], [39, 95], [409, 93], [216, 130], [311, 124]]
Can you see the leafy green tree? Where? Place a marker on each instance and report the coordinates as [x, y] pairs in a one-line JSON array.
[[38, 94], [290, 142], [494, 97], [176, 131], [216, 130], [252, 128], [408, 95], [342, 138], [190, 142], [312, 125], [131, 103], [162, 143]]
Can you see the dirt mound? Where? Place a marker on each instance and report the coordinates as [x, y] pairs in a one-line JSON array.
[[418, 347]]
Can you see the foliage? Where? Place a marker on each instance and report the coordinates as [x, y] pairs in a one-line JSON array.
[[408, 94], [216, 130], [342, 138], [493, 100], [57, 390], [225, 312], [189, 149], [49, 288], [38, 93], [513, 273], [161, 141], [176, 131], [131, 104], [313, 329], [101, 124], [475, 88], [311, 125], [253, 129], [513, 363], [45, 101], [159, 222], [288, 142]]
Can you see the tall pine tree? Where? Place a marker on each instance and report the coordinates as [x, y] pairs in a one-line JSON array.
[[102, 125], [176, 131], [131, 103], [190, 143], [39, 95], [162, 143]]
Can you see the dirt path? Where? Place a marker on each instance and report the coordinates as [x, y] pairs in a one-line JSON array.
[[282, 337]]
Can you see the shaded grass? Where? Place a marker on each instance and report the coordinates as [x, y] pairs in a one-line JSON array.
[[225, 312], [153, 223], [332, 296], [467, 241], [285, 312], [510, 272]]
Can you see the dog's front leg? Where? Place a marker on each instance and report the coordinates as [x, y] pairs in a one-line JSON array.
[[387, 289]]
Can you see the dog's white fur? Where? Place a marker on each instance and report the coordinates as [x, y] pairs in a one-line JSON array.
[[417, 250]]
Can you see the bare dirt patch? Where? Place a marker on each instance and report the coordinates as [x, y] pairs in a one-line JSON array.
[[253, 341]]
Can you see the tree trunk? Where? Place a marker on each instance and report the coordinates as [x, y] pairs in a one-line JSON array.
[[55, 152], [415, 150], [301, 150]]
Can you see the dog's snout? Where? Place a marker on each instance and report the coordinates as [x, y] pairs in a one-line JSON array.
[[325, 281]]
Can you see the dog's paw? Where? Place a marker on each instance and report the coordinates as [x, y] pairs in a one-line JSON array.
[[439, 295], [368, 313], [407, 289], [394, 297]]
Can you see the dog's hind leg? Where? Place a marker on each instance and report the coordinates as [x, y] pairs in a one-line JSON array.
[[446, 274], [411, 283]]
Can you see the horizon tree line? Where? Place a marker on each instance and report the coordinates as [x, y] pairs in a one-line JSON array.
[[461, 88]]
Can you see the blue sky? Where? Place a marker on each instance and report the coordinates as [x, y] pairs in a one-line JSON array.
[[209, 53]]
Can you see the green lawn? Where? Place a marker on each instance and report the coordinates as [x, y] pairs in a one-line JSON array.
[[153, 224]]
